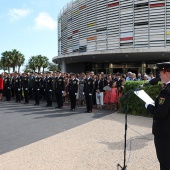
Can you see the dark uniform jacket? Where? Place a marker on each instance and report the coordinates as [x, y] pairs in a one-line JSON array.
[[73, 85], [25, 82], [48, 83], [59, 84], [88, 86], [12, 82], [7, 83], [17, 83], [161, 114], [36, 83]]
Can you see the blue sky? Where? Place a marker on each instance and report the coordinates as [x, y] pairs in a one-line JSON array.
[[30, 26]]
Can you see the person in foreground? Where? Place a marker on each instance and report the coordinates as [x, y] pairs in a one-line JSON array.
[[161, 118]]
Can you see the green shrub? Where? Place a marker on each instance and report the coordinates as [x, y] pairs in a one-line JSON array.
[[136, 106]]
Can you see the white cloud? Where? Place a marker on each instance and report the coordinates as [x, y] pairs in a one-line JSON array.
[[17, 14], [44, 21]]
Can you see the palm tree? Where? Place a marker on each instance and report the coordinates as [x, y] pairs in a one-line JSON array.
[[38, 62], [32, 63], [45, 63], [39, 59], [14, 55], [21, 60], [6, 60]]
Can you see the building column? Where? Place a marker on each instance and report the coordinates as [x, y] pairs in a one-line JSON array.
[[63, 65]]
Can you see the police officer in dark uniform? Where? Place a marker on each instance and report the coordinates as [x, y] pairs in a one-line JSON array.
[[7, 85], [59, 89], [17, 87], [31, 90], [72, 90], [12, 84], [88, 91], [25, 85], [161, 118], [36, 88], [48, 89]]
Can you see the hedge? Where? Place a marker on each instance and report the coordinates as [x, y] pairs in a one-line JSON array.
[[135, 105]]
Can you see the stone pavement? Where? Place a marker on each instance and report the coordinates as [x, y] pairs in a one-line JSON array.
[[40, 138]]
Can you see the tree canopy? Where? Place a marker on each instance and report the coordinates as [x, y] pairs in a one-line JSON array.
[[14, 59]]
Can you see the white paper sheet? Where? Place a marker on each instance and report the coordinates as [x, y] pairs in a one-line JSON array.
[[144, 96]]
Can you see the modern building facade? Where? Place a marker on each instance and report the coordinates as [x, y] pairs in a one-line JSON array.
[[113, 35]]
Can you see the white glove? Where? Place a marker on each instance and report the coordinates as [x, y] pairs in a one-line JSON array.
[[90, 94], [19, 89], [32, 89], [38, 89], [68, 93], [75, 93], [83, 93], [62, 92], [50, 90], [146, 104], [9, 87], [26, 88]]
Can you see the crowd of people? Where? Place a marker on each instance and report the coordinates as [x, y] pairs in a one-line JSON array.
[[96, 91], [100, 90]]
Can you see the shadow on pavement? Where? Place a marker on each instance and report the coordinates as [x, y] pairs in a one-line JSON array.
[[133, 143]]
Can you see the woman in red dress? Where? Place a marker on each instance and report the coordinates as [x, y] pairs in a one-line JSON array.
[[1, 86]]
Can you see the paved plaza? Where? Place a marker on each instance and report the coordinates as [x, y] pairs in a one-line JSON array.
[[46, 138]]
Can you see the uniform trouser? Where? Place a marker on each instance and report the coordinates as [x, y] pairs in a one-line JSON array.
[[18, 95], [30, 93], [26, 96], [73, 100], [37, 96], [8, 94], [49, 98], [59, 99], [12, 91], [163, 152], [89, 102]]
